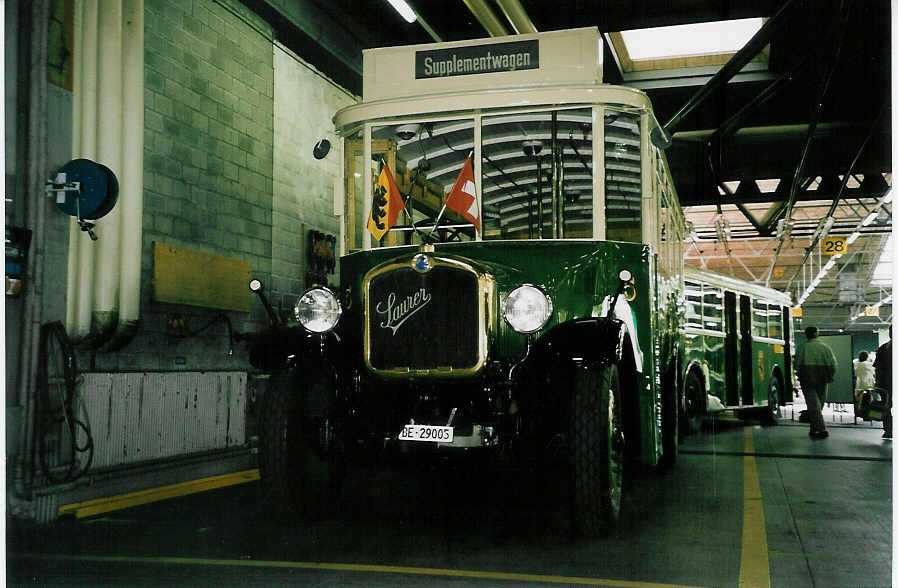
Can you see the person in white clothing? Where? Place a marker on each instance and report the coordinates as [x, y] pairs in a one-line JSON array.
[[864, 373]]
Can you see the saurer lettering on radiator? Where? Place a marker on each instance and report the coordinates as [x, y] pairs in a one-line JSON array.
[[395, 312]]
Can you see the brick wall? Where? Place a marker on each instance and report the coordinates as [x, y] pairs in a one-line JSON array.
[[304, 102], [209, 93]]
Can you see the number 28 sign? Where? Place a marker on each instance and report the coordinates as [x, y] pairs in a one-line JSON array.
[[833, 246]]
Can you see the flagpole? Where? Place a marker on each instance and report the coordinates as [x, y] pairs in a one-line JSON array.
[[442, 210], [437, 223]]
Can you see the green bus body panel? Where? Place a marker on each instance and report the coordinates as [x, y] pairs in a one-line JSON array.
[[576, 274], [709, 352]]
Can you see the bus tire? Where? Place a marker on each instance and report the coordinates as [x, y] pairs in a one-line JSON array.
[[695, 399], [298, 479], [774, 396], [597, 450]]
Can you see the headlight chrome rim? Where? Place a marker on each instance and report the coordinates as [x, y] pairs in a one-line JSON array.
[[318, 310], [527, 308]]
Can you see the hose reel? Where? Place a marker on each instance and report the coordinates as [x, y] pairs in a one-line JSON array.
[[86, 190]]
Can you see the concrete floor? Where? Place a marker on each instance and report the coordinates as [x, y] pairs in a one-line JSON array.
[[827, 521]]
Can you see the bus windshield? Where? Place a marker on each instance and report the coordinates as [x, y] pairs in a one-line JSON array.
[[533, 171]]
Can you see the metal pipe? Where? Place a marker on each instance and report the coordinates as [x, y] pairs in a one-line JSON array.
[[517, 16], [35, 22], [557, 229], [486, 17], [661, 137], [131, 179], [539, 195], [104, 317], [82, 258]]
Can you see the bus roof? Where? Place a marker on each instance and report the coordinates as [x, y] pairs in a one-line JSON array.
[[737, 285]]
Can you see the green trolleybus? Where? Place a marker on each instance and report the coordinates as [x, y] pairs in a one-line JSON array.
[[737, 347], [510, 282]]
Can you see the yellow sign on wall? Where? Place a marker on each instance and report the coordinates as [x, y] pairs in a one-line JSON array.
[[871, 311], [833, 246], [184, 276]]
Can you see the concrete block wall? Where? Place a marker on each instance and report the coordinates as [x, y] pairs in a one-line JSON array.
[[208, 152], [304, 102]]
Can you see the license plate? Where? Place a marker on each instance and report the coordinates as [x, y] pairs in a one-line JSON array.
[[429, 433]]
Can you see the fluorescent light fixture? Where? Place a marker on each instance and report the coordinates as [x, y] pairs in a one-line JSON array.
[[727, 36], [887, 198], [870, 218], [404, 10], [829, 265], [853, 237]]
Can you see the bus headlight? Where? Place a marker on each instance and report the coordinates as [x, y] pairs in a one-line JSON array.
[[527, 309], [318, 310]]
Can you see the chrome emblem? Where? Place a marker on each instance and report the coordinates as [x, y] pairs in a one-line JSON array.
[[396, 311], [421, 263]]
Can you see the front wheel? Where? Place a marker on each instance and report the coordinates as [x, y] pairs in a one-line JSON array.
[[695, 401], [597, 450], [772, 414], [300, 459]]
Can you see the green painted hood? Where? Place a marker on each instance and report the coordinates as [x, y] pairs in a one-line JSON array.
[[577, 275]]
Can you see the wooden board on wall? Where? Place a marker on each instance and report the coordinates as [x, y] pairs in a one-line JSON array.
[[184, 276]]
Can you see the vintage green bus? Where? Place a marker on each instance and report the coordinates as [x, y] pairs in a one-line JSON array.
[[540, 322], [737, 347]]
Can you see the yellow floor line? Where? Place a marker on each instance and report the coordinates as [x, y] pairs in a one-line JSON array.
[[111, 503], [341, 567], [754, 569]]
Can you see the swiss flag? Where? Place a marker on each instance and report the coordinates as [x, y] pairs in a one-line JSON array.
[[463, 197]]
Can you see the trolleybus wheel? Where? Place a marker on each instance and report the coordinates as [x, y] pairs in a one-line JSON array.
[[694, 396], [300, 464], [773, 402], [597, 450]]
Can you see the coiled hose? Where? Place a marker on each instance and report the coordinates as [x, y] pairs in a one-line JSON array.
[[58, 403]]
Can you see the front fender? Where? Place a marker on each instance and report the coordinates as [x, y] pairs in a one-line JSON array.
[[279, 348], [591, 341]]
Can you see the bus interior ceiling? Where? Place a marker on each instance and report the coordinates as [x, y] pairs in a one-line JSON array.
[[794, 148]]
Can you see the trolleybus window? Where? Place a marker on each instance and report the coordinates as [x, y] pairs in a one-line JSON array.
[[775, 321], [537, 175], [712, 308], [623, 177], [693, 305], [759, 318]]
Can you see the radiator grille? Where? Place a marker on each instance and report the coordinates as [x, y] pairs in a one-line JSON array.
[[425, 321]]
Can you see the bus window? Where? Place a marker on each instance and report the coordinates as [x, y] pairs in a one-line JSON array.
[[424, 159], [759, 319], [693, 305], [521, 156], [623, 177], [775, 322], [712, 308]]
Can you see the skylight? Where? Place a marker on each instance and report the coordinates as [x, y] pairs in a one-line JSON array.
[[707, 38], [882, 275]]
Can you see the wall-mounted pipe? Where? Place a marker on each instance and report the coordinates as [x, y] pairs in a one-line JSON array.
[[486, 17], [103, 305], [104, 315], [80, 278], [517, 16], [131, 178], [33, 19]]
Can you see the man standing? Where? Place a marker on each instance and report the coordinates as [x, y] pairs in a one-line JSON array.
[[883, 367], [815, 365]]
